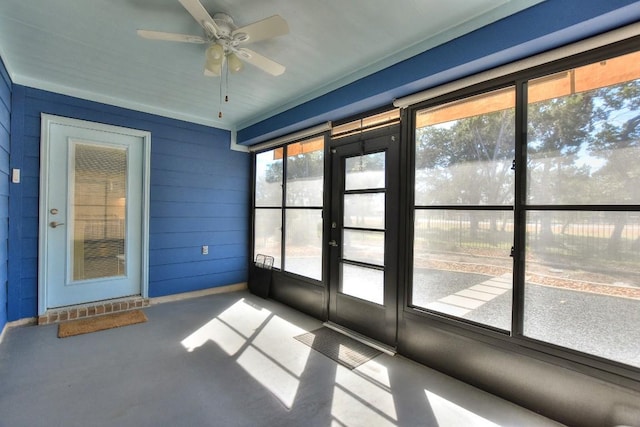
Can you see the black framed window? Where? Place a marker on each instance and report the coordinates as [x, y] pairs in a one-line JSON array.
[[582, 269], [303, 215], [289, 188], [463, 219], [571, 210], [267, 233]]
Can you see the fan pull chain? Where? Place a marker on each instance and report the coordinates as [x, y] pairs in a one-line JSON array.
[[220, 99], [226, 82], [226, 87]]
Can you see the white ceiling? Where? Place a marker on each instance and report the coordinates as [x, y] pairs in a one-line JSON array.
[[90, 49]]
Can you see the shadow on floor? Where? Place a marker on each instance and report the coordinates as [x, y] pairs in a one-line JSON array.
[[225, 360]]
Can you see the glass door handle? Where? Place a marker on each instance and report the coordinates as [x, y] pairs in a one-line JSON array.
[[333, 243], [54, 224]]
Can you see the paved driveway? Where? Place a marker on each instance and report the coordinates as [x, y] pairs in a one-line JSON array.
[[601, 325]]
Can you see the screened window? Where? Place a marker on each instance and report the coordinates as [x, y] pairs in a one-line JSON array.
[[573, 218], [582, 286], [303, 216], [268, 205], [464, 193], [288, 206]]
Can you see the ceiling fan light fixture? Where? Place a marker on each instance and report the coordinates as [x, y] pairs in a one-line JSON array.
[[214, 67], [215, 53], [234, 63]]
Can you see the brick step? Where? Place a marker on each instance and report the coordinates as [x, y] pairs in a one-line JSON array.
[[93, 309]]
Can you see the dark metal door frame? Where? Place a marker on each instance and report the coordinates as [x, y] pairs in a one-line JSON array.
[[367, 318]]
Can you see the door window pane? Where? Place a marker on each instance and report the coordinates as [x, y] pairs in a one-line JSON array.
[[582, 287], [365, 172], [465, 150], [268, 234], [364, 210], [305, 173], [269, 178], [364, 246], [363, 283], [99, 211], [583, 137], [303, 248], [462, 264]]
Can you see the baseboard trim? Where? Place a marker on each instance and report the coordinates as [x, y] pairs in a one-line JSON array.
[[27, 321], [152, 301], [196, 294]]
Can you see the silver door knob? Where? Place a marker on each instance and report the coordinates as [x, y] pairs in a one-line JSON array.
[[333, 243], [54, 224]]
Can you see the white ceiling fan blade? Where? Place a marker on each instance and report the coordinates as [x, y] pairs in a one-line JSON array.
[[265, 29], [200, 14], [172, 37], [265, 64]]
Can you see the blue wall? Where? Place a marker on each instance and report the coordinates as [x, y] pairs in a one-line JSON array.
[[199, 196], [547, 25], [5, 134]]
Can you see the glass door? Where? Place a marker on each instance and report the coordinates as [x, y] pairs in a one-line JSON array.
[[92, 230], [364, 235]]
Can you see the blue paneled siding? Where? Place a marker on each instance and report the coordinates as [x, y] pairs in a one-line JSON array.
[[199, 196], [5, 137]]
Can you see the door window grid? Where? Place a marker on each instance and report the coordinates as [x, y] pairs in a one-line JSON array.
[[363, 233]]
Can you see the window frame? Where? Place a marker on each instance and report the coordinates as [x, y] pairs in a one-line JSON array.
[[515, 340], [283, 207]]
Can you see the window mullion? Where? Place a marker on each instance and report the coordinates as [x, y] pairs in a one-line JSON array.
[[283, 208], [517, 320]]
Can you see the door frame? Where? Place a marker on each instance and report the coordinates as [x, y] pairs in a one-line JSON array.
[[368, 142], [49, 120]]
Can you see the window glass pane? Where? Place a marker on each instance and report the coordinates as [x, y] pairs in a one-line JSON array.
[[464, 151], [584, 135], [365, 172], [303, 248], [364, 283], [364, 246], [364, 210], [269, 178], [462, 264], [268, 233], [582, 287], [305, 171], [99, 211]]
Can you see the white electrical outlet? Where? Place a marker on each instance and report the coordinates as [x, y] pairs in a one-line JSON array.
[[205, 250]]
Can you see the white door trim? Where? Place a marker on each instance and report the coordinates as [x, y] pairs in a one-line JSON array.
[[47, 121]]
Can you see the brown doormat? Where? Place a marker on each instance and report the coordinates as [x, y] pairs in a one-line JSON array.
[[100, 323]]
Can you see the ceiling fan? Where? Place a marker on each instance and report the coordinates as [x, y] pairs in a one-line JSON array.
[[226, 41]]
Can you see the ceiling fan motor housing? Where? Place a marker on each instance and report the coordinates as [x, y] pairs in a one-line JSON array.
[[225, 24]]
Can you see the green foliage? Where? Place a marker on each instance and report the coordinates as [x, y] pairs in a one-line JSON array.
[[467, 161]]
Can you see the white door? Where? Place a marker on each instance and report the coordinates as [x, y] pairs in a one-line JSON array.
[[92, 212]]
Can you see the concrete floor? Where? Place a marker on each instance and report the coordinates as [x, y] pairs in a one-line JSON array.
[[225, 360]]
